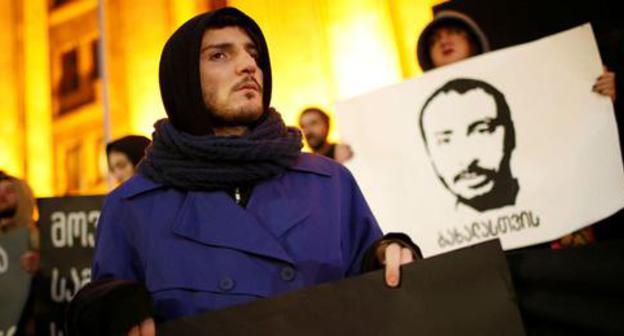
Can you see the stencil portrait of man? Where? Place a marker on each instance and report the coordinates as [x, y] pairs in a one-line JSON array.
[[469, 136]]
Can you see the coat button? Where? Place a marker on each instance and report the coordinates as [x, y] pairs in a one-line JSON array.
[[287, 273], [226, 284]]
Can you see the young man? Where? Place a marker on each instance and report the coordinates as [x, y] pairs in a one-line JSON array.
[[225, 208], [452, 37], [315, 125]]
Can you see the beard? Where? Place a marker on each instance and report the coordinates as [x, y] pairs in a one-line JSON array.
[[226, 115], [315, 142], [503, 193]]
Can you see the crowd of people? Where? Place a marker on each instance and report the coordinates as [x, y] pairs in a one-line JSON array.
[[222, 207]]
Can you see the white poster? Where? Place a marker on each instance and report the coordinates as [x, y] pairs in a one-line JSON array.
[[511, 144]]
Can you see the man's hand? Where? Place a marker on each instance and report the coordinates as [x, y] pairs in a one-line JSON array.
[[146, 328], [605, 84], [30, 261], [343, 153], [393, 256]]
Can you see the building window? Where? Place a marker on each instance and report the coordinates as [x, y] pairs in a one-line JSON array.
[[72, 169], [70, 76], [57, 3], [78, 75]]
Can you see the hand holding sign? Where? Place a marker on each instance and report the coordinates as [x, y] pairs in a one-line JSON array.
[[146, 328], [605, 84], [395, 256], [499, 145]]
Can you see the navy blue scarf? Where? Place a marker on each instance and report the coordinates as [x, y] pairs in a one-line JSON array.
[[210, 162]]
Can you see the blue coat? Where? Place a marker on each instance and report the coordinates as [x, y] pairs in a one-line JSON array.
[[200, 251]]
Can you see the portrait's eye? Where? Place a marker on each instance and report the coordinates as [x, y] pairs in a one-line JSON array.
[[443, 140], [483, 127]]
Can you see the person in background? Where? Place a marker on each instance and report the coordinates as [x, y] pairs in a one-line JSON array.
[[17, 208], [124, 154], [452, 37], [315, 124]]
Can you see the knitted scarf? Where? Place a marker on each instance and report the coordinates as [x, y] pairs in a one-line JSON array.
[[210, 162]]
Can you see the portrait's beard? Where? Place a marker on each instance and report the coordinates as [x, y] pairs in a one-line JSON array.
[[475, 169], [504, 189]]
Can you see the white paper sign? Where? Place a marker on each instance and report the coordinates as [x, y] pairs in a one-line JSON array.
[[511, 144]]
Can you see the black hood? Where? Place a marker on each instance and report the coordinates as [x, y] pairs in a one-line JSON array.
[[180, 85]]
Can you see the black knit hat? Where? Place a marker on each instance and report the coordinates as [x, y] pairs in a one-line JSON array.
[[180, 84], [132, 145], [445, 18]]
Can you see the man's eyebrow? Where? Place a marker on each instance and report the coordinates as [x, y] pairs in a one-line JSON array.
[[225, 45]]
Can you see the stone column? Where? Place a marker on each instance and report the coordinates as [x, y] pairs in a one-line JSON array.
[[37, 96]]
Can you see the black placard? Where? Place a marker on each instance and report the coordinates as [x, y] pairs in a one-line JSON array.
[[67, 234], [465, 292]]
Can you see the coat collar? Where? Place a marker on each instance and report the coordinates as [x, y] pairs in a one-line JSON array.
[[137, 185], [307, 163]]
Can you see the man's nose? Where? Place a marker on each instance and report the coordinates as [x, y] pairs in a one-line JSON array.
[[247, 64], [445, 38], [466, 154]]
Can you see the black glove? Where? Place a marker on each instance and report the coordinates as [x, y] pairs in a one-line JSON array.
[[108, 307]]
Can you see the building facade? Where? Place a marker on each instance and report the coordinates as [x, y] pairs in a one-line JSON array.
[[52, 101]]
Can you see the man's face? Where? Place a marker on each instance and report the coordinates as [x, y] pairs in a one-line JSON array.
[[8, 199], [314, 129], [449, 45], [231, 80], [465, 141], [120, 166]]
